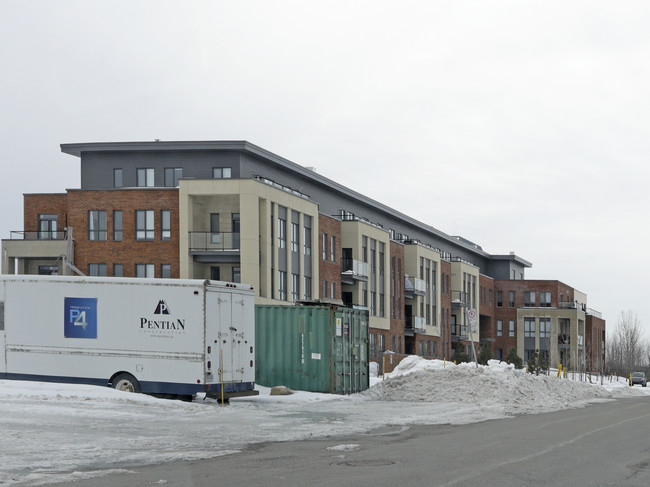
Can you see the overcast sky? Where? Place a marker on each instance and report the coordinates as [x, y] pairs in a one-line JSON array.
[[520, 125]]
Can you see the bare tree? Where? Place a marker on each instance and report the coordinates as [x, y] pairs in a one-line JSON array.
[[627, 350]]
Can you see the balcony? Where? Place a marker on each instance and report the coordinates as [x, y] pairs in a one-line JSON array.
[[353, 270], [414, 287], [458, 299], [214, 248], [415, 324], [213, 242], [24, 252]]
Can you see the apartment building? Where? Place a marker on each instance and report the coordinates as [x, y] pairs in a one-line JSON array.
[[230, 210]]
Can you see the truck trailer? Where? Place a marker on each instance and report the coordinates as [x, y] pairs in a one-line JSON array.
[[156, 336]]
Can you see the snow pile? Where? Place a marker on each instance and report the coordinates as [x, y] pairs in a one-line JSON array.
[[498, 385]]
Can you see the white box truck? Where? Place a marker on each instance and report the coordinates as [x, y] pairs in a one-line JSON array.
[[157, 336]]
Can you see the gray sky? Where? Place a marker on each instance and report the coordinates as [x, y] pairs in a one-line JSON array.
[[522, 126]]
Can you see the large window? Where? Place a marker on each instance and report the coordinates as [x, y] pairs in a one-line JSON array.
[[545, 328], [47, 224], [145, 177], [307, 239], [144, 270], [118, 270], [545, 299], [165, 225], [118, 181], [172, 175], [165, 270], [307, 287], [282, 233], [295, 235], [221, 172], [529, 327], [97, 229], [215, 235], [144, 227], [282, 285], [529, 299], [295, 287], [96, 269], [117, 225]]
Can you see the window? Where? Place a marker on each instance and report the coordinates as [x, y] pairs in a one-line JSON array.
[[511, 328], [529, 299], [511, 299], [373, 303], [333, 290], [215, 273], [118, 181], [215, 235], [282, 285], [236, 274], [307, 287], [118, 270], [97, 225], [499, 328], [172, 175], [144, 225], [96, 269], [529, 327], [221, 173], [117, 225], [295, 233], [307, 239], [545, 299], [499, 299], [282, 233], [165, 271], [48, 270], [490, 297], [324, 246], [165, 225], [544, 328], [325, 286], [295, 290], [47, 224], [333, 249], [144, 270], [144, 177]]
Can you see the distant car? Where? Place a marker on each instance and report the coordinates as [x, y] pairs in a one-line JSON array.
[[638, 378]]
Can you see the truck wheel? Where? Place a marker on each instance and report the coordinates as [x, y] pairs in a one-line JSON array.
[[126, 382]]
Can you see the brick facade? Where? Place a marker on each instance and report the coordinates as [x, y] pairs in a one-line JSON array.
[[329, 269]]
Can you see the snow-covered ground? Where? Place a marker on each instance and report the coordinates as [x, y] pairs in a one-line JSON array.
[[59, 432]]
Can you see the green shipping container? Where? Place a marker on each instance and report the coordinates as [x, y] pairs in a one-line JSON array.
[[312, 348]]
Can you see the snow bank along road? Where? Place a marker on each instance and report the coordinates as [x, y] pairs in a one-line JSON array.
[[59, 433]]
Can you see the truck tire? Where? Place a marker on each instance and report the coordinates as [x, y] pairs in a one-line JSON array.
[[126, 382]]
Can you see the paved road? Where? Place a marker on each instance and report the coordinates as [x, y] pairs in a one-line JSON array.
[[602, 445]]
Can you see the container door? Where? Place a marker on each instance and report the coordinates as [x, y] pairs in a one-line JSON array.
[[238, 337], [224, 337]]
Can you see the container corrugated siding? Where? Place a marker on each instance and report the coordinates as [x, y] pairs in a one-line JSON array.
[[312, 348]]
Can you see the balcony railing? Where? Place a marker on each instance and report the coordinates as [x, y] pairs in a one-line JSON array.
[[208, 241], [414, 285], [458, 298], [458, 330], [417, 323], [354, 268], [38, 235]]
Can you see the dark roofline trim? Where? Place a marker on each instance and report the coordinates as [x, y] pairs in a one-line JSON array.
[[245, 146]]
